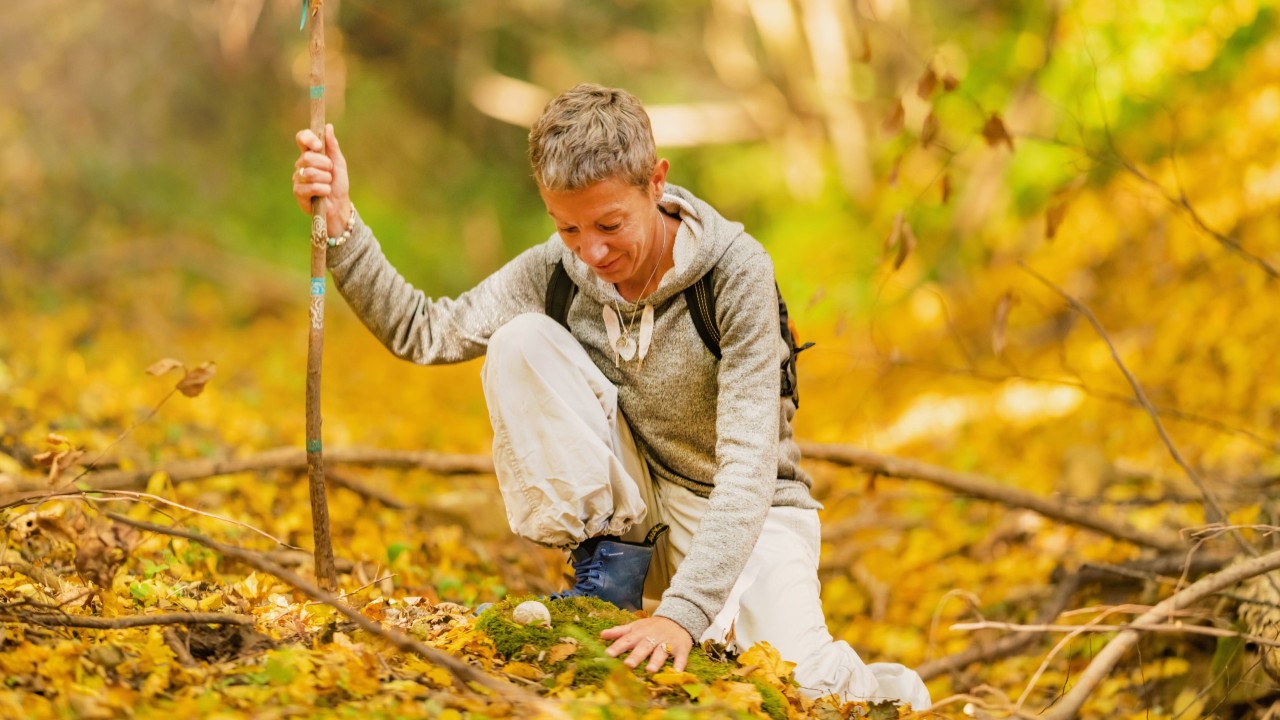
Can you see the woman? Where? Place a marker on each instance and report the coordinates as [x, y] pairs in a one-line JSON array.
[[621, 419]]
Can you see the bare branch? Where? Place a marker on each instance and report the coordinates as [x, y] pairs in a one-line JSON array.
[[459, 669], [1103, 663], [1218, 514], [282, 459], [988, 489], [1147, 627], [120, 623]]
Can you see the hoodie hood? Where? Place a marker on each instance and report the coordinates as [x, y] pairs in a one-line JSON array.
[[704, 235]]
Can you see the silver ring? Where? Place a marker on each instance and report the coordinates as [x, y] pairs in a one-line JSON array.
[[302, 173], [652, 642]]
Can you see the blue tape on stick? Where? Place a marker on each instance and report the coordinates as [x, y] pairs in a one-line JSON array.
[[303, 24], [313, 446], [317, 92], [317, 286]]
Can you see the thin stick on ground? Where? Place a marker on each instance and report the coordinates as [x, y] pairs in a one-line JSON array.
[[109, 495], [119, 623], [1146, 627], [988, 489], [460, 670], [286, 458], [1105, 661]]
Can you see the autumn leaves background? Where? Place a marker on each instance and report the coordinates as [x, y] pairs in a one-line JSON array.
[[911, 166]]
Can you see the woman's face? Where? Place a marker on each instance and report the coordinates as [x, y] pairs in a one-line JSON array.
[[612, 226]]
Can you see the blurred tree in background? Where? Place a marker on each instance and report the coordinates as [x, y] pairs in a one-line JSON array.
[[909, 164]]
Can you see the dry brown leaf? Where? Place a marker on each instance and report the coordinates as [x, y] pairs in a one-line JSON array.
[[929, 130], [1000, 322], [893, 171], [163, 366], [896, 233], [946, 187], [560, 651], [192, 384], [865, 38], [894, 120], [949, 82], [524, 670], [906, 247], [994, 132], [1053, 219], [927, 82]]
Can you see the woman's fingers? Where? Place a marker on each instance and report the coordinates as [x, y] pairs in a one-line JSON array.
[[307, 140]]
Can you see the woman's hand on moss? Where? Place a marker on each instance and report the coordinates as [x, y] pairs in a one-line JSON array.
[[655, 638]]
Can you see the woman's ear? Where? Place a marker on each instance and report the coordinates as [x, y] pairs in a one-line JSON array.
[[658, 181]]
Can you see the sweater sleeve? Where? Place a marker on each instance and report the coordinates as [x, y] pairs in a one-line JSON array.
[[746, 445], [428, 330]]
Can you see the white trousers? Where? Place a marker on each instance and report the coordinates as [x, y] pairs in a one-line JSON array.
[[569, 470]]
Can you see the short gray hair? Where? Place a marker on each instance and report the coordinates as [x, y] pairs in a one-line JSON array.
[[588, 134]]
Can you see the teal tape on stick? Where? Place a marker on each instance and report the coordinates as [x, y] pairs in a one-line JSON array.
[[303, 24], [317, 92], [317, 286], [313, 446]]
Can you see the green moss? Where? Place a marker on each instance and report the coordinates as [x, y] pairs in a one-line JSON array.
[[774, 705], [580, 618], [705, 668]]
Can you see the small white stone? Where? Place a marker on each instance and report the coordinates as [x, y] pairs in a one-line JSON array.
[[532, 612]]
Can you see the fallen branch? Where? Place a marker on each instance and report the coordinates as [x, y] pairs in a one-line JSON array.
[[1006, 646], [181, 652], [1105, 661], [343, 480], [1148, 627], [459, 669], [128, 621], [988, 489], [281, 459]]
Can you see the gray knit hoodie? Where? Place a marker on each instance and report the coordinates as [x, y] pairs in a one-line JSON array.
[[717, 428]]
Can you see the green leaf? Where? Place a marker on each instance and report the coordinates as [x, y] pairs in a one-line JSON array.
[[278, 672], [141, 591], [395, 550]]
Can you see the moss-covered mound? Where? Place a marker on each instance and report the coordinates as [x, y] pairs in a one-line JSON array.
[[573, 640]]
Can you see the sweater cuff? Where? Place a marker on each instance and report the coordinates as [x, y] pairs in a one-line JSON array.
[[685, 614]]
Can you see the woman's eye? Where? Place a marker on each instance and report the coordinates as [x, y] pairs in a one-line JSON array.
[[610, 228], [567, 231]]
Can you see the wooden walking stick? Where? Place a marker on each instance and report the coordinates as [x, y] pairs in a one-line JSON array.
[[326, 572]]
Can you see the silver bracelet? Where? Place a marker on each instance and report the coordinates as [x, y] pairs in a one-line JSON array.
[[346, 234]]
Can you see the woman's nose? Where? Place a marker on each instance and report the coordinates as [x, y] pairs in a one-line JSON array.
[[593, 250]]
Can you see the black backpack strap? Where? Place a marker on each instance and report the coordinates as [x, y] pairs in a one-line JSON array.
[[701, 299], [560, 292], [790, 385]]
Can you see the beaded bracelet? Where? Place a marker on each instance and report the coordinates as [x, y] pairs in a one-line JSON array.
[[346, 234]]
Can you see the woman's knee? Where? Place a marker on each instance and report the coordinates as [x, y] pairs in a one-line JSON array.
[[521, 338]]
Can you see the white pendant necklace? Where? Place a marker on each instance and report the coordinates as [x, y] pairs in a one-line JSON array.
[[619, 328]]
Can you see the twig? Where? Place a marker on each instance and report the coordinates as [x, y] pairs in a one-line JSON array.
[[1181, 628], [988, 489], [285, 459], [460, 670], [343, 480], [179, 648], [87, 495], [1004, 647], [1069, 705], [1219, 515], [128, 621]]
